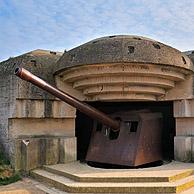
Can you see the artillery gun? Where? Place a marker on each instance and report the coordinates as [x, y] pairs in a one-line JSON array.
[[128, 138]]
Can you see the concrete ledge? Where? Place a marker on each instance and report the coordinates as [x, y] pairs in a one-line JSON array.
[[67, 87], [182, 90], [68, 185], [182, 149], [184, 108], [40, 108], [185, 126], [37, 127], [62, 110], [84, 173]]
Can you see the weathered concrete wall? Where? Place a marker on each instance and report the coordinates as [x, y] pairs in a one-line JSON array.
[[7, 99], [183, 141], [127, 68], [8, 93], [191, 56], [35, 152], [123, 49], [128, 82], [184, 115], [27, 111]]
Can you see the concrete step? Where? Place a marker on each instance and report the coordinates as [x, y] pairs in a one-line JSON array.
[[43, 188], [88, 174], [72, 186]]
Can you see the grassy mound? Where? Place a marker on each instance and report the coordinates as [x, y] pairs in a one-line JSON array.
[[7, 174]]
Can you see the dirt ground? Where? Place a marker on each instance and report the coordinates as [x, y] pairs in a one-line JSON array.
[[25, 186]]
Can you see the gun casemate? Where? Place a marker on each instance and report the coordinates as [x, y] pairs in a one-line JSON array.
[[121, 137], [121, 69]]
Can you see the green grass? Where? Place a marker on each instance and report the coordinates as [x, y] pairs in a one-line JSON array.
[[7, 174], [14, 178]]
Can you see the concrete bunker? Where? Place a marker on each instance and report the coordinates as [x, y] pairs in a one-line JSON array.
[[125, 72]]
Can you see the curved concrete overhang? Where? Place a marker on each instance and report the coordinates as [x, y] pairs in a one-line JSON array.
[[123, 68]]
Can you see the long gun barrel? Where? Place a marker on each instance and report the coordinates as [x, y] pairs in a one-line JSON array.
[[84, 108]]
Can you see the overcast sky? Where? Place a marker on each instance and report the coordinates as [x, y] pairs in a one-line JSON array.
[[26, 25]]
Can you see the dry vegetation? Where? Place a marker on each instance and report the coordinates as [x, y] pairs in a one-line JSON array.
[[7, 174]]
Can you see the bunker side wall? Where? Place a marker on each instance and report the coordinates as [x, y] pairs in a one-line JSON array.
[[33, 123], [8, 92], [184, 115]]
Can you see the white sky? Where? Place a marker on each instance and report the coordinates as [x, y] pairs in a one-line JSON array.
[[63, 24]]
